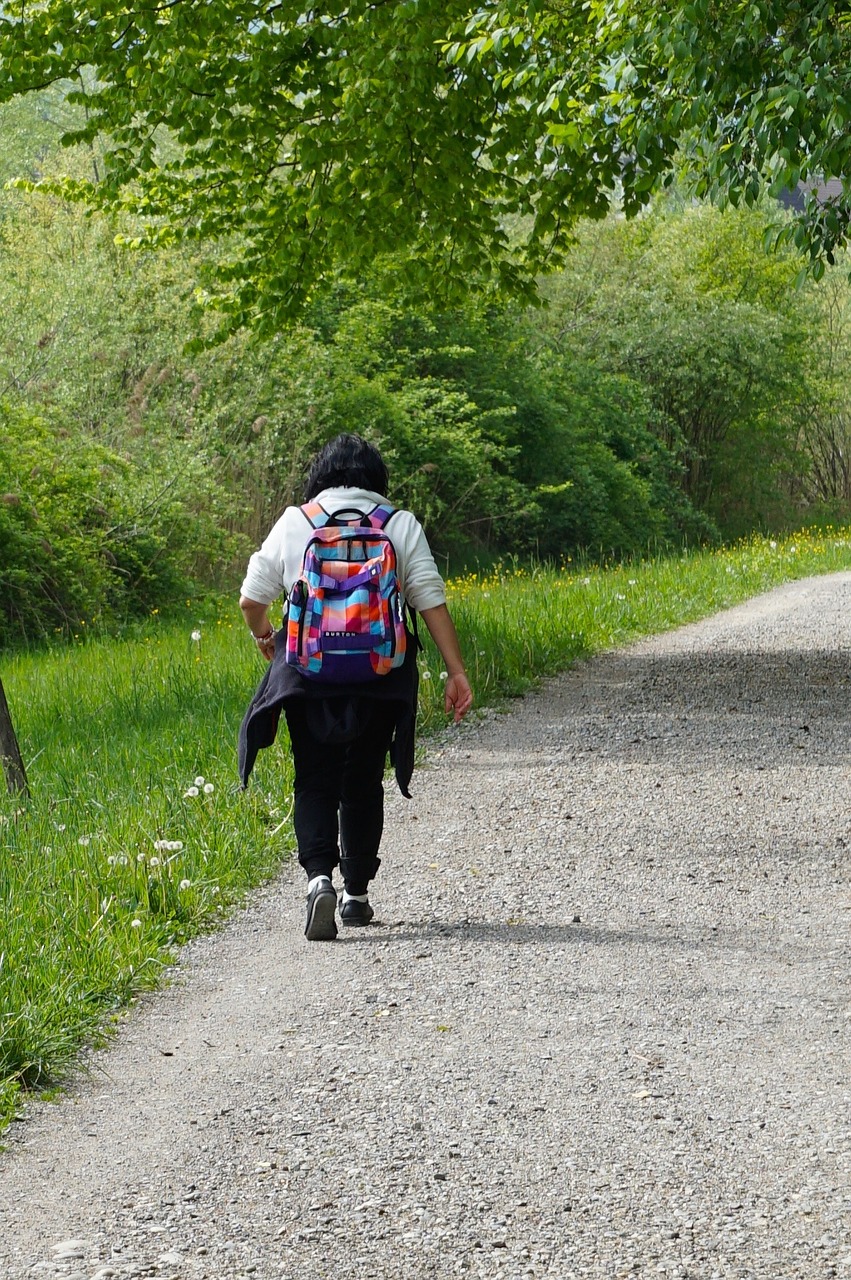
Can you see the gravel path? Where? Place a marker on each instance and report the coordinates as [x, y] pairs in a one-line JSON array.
[[603, 1029]]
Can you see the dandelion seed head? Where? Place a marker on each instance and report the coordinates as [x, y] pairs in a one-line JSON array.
[[175, 846], [84, 840], [190, 791], [199, 781], [155, 862], [426, 675], [196, 635], [208, 788], [444, 675], [186, 884], [136, 924]]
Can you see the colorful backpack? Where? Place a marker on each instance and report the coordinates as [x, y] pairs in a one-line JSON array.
[[345, 615]]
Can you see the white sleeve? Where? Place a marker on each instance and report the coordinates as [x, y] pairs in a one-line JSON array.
[[419, 577], [266, 577]]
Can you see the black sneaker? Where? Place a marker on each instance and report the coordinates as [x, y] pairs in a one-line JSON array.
[[355, 913], [321, 907]]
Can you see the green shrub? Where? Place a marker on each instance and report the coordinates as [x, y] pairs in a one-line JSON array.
[[86, 535]]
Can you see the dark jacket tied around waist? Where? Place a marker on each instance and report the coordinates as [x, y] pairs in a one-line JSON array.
[[336, 712]]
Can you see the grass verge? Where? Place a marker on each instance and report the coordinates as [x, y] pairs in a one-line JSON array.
[[136, 836]]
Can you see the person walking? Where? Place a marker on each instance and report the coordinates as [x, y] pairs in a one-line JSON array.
[[343, 727]]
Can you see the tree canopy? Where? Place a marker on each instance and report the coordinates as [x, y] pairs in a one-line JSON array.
[[457, 147]]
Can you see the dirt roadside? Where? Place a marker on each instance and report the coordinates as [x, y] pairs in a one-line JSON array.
[[602, 1028]]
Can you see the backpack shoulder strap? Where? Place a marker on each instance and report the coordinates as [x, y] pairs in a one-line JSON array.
[[315, 514], [379, 516]]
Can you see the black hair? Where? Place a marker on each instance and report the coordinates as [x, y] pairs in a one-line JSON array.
[[346, 462]]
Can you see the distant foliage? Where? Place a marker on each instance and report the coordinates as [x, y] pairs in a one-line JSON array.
[[724, 342], [676, 388]]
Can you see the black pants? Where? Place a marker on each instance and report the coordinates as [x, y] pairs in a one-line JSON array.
[[339, 794]]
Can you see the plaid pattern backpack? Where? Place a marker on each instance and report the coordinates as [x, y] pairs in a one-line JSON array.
[[345, 615]]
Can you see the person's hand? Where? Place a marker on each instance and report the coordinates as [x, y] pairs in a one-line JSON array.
[[267, 648], [458, 696], [266, 643]]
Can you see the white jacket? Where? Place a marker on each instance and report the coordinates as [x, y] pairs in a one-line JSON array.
[[274, 568]]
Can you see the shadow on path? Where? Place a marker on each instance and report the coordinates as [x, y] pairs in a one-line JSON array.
[[549, 936]]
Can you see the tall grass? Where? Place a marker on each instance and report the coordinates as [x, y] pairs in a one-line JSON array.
[[136, 836], [113, 862]]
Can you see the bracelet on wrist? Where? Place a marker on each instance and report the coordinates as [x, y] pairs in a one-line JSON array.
[[270, 635]]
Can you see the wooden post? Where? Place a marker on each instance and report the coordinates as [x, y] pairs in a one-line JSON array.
[[10, 754]]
